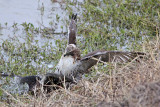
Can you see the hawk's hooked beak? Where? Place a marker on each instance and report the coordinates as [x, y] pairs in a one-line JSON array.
[[69, 53]]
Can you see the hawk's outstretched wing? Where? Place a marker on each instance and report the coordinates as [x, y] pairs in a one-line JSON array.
[[72, 30], [91, 59]]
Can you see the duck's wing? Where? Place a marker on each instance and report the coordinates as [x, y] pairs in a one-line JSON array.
[[56, 78], [54, 81], [49, 81], [32, 81], [92, 58], [72, 30]]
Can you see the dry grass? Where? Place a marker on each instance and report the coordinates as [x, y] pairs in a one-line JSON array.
[[133, 84]]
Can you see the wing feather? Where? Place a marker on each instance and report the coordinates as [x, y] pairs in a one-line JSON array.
[[72, 31], [107, 56]]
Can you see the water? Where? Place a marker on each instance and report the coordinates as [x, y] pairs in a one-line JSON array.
[[41, 13], [35, 12]]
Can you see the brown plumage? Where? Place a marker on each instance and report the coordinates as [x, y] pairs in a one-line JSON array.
[[72, 30], [81, 65]]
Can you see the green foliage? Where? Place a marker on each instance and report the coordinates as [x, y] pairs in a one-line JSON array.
[[108, 24], [1, 92]]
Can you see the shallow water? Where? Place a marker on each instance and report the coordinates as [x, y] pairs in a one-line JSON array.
[[40, 13], [35, 12]]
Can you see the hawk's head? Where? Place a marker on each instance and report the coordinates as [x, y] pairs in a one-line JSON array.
[[72, 50]]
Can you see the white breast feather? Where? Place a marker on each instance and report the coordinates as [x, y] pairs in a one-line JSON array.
[[66, 65]]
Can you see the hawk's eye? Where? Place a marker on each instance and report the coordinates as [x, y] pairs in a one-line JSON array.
[[69, 54]]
